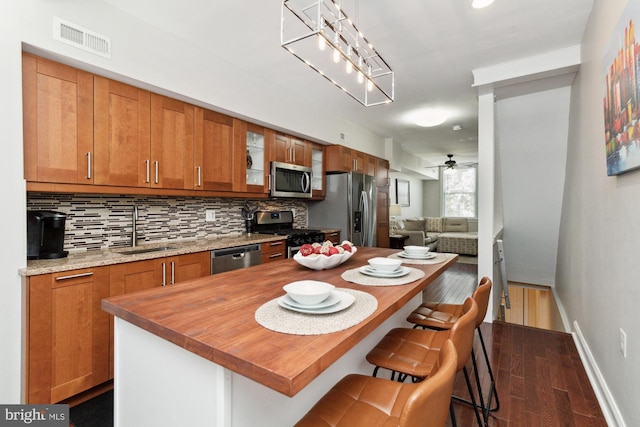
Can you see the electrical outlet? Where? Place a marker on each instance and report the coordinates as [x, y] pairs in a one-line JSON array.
[[623, 343], [209, 215]]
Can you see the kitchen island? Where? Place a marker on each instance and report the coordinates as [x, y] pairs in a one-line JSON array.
[[193, 353]]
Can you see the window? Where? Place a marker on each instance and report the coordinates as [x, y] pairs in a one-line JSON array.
[[459, 192]]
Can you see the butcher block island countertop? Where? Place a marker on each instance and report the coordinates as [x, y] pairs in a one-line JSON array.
[[213, 317]]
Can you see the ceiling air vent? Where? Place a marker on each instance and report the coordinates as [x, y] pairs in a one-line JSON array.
[[82, 38]]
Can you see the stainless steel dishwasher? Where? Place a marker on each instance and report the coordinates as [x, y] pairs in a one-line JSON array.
[[233, 258]]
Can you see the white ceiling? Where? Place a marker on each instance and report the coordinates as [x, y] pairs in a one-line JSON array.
[[432, 46]]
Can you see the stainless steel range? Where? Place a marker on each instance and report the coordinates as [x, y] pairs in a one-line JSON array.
[[281, 223]]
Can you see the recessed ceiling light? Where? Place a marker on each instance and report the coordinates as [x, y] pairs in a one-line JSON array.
[[429, 117], [479, 4]]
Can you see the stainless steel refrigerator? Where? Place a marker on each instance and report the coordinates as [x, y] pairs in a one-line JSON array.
[[350, 204]]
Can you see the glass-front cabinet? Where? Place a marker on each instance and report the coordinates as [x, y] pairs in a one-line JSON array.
[[255, 158], [255, 145], [318, 170]]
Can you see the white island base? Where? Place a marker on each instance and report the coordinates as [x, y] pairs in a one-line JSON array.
[[158, 383]]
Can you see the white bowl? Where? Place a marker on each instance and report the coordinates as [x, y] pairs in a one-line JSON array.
[[416, 250], [323, 262], [386, 265], [308, 292]]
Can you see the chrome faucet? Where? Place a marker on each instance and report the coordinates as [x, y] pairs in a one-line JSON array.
[[134, 234]]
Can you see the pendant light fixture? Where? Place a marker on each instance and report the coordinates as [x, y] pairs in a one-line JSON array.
[[350, 62]]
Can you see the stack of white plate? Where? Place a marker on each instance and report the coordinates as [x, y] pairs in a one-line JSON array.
[[416, 252], [384, 267], [310, 296]]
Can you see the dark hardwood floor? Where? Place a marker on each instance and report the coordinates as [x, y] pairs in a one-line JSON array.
[[539, 375]]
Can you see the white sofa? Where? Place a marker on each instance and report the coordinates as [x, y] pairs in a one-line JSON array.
[[441, 234]]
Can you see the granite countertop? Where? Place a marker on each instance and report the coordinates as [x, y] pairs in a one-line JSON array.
[[89, 259]]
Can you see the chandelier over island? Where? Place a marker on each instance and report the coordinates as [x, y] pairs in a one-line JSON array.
[[321, 35]]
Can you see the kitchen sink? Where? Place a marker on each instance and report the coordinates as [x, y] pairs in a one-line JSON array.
[[146, 250]]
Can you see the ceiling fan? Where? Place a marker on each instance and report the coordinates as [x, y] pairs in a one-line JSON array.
[[450, 164]]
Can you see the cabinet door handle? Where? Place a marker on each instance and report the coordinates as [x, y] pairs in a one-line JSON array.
[[146, 164], [275, 244], [74, 276], [173, 272], [89, 165], [156, 163], [279, 254], [199, 176], [293, 155], [164, 274], [269, 176]]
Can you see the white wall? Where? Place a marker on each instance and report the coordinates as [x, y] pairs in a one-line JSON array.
[[13, 248], [415, 195], [598, 269], [532, 140], [431, 199]]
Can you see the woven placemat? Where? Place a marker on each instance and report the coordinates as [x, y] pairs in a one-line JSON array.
[[439, 258], [278, 319], [354, 276]]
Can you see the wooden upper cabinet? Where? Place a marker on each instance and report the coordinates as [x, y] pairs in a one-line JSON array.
[[215, 159], [370, 164], [359, 160], [343, 159], [58, 122], [171, 143], [338, 158], [301, 152], [122, 134], [288, 149]]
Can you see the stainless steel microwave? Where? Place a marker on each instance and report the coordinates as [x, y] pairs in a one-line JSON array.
[[289, 180]]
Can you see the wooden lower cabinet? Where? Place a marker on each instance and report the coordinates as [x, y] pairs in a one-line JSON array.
[[67, 334], [140, 275], [69, 343], [273, 251], [334, 237]]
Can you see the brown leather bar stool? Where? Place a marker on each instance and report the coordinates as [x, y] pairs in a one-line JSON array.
[[413, 352], [361, 400], [442, 316]]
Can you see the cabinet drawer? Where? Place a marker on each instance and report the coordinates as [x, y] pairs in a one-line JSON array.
[[334, 237], [273, 251]]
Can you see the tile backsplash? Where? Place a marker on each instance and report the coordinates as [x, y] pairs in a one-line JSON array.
[[105, 221]]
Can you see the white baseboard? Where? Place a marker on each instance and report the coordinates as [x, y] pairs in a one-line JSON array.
[[607, 403]]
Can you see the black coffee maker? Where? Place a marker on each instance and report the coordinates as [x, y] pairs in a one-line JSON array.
[[45, 235]]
